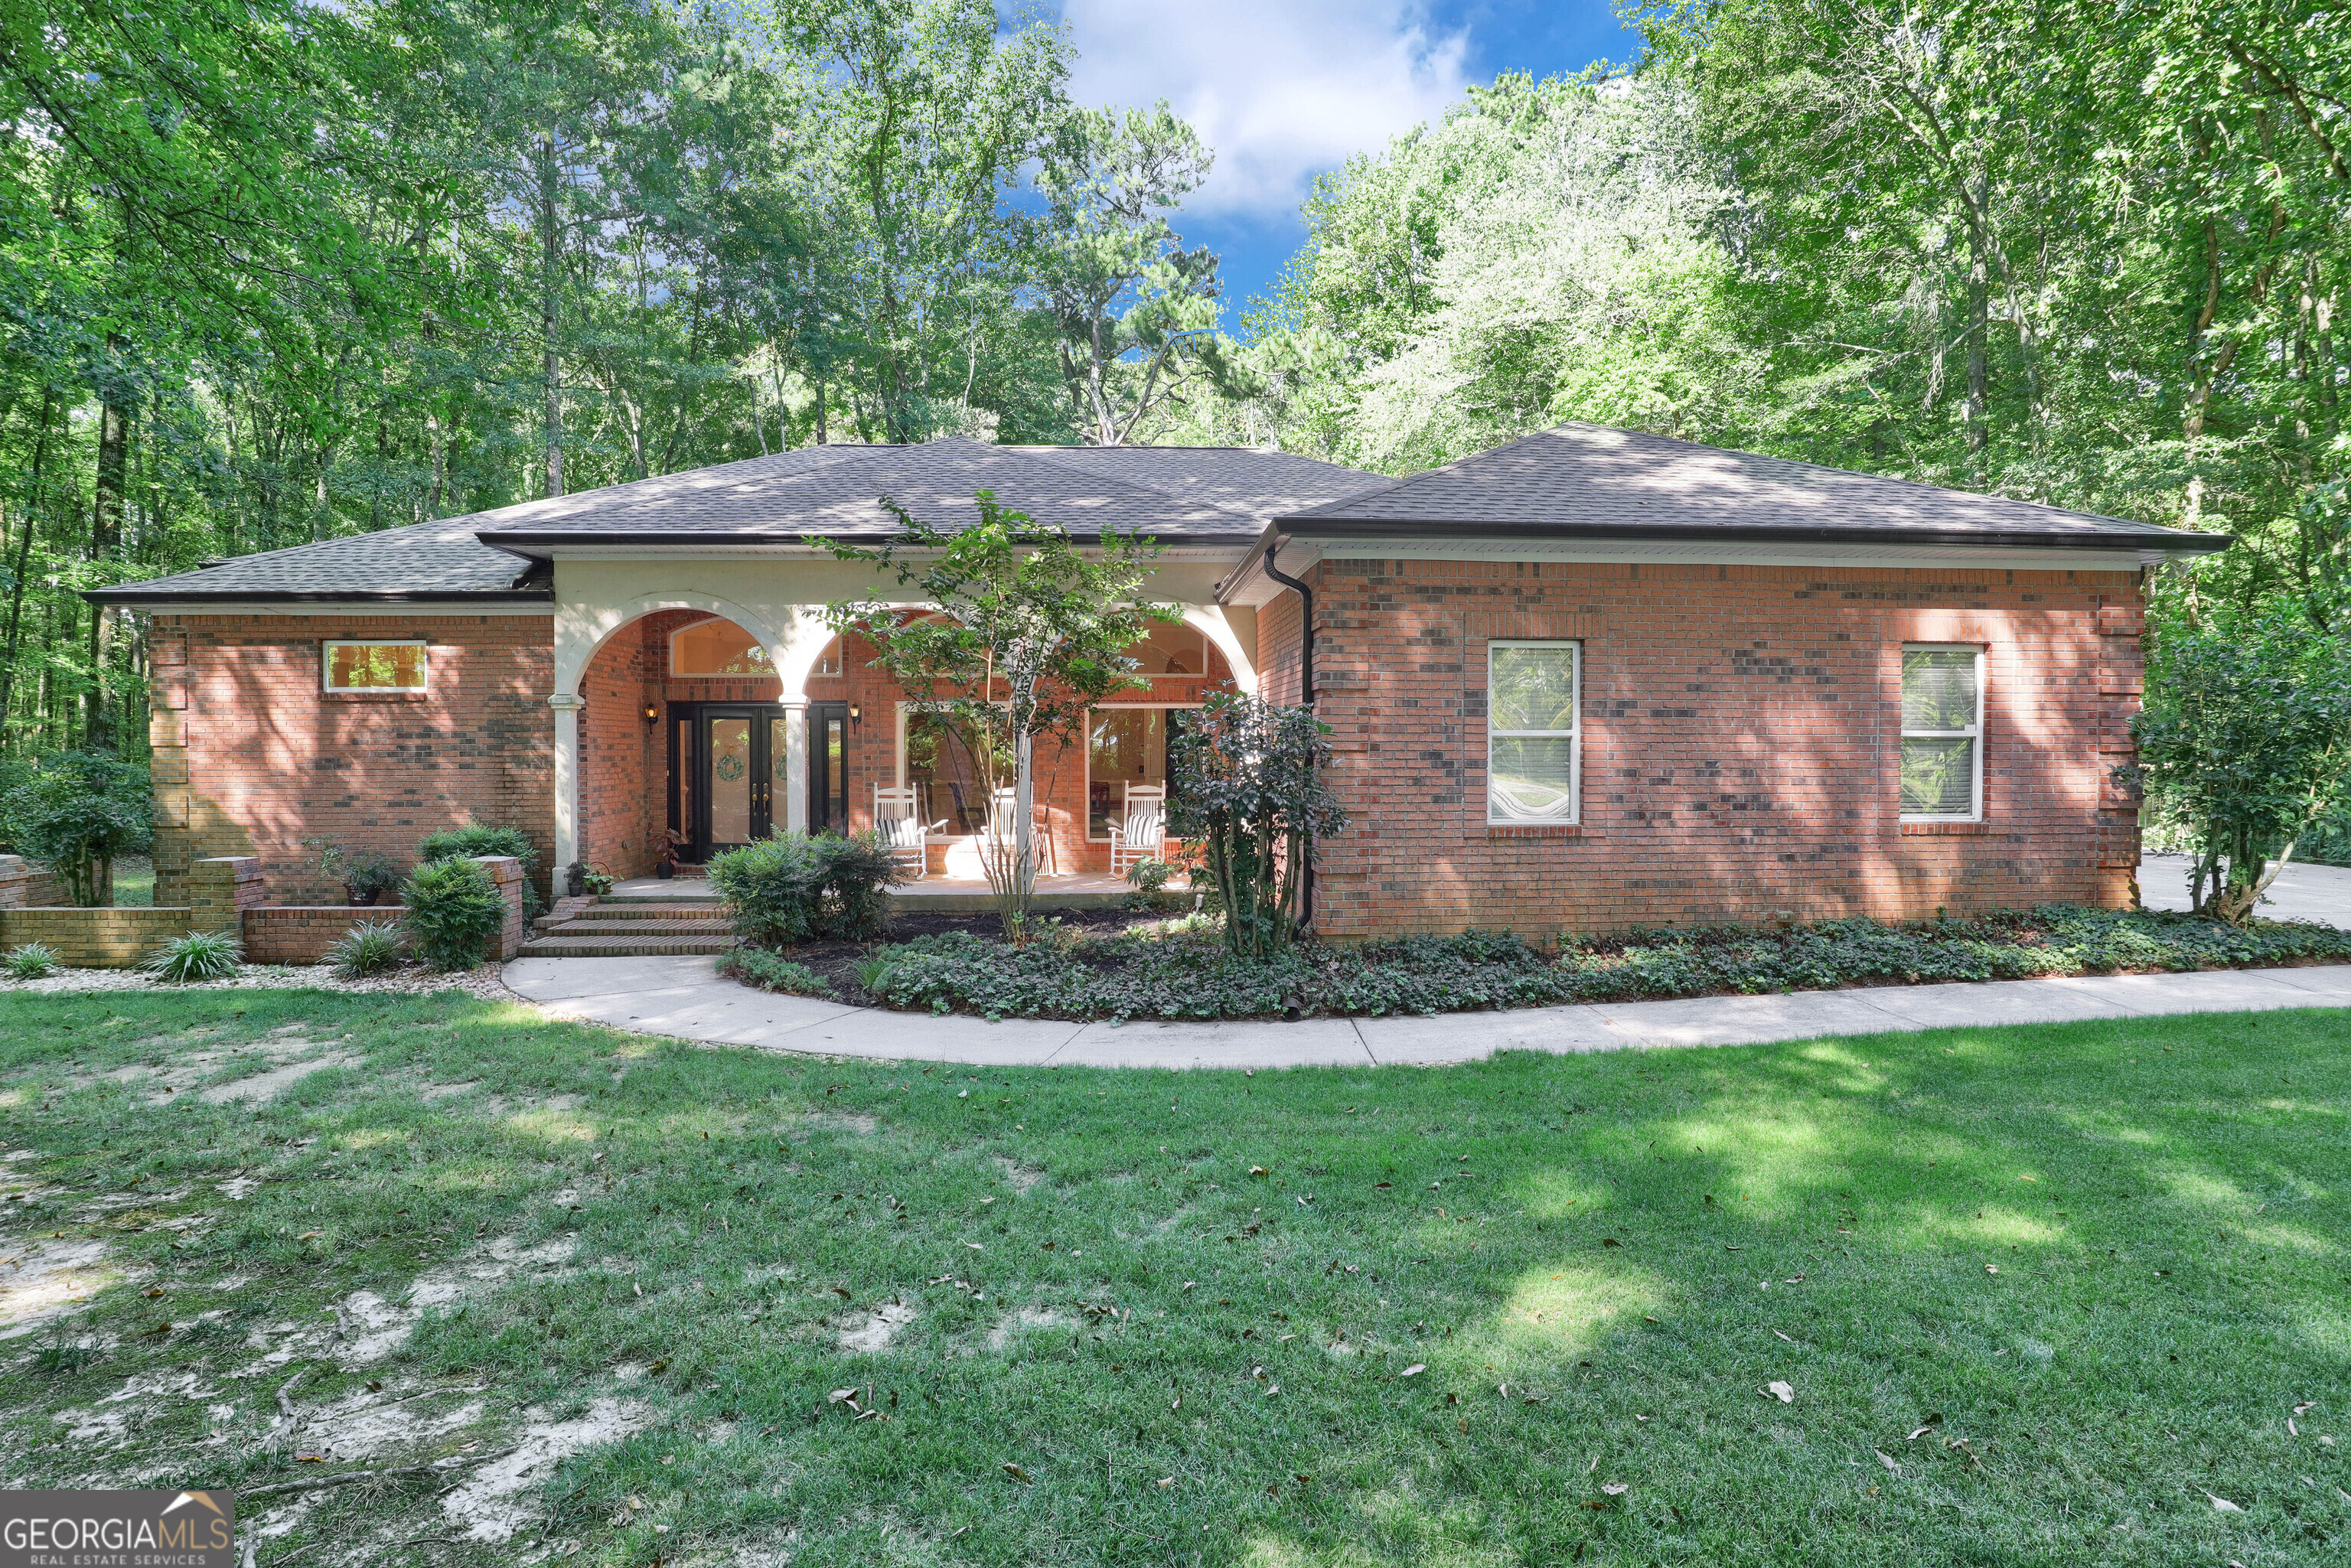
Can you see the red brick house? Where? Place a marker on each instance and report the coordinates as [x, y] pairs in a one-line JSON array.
[[1591, 679]]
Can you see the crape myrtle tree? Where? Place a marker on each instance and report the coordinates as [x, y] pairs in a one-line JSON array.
[[2246, 746], [1034, 632], [1248, 785]]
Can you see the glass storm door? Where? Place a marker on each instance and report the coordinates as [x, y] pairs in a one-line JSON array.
[[827, 766], [733, 800]]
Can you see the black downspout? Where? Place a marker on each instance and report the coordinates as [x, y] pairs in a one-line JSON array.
[[1306, 683]]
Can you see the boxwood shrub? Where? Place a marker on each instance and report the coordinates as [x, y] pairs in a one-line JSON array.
[[797, 887]]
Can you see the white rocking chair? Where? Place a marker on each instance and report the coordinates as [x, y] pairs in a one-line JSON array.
[[898, 818], [1143, 834]]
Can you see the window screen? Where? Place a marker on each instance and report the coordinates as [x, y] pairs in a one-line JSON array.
[[1942, 734], [374, 667], [1533, 736]]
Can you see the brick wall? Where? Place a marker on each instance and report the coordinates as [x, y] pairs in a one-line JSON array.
[[94, 938], [293, 934], [252, 756], [1741, 743], [621, 810]]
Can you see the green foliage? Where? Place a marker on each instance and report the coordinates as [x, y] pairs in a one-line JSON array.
[[475, 839], [2246, 745], [365, 875], [78, 810], [1034, 633], [31, 961], [453, 912], [197, 955], [1187, 974], [1246, 782], [370, 948], [788, 889], [1149, 876], [758, 966]]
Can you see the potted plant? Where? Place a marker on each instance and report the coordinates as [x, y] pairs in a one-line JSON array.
[[666, 867], [366, 876]]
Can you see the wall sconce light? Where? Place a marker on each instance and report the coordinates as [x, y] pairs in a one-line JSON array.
[[653, 713], [855, 712]]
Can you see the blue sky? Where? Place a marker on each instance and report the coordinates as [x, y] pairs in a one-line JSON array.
[[1284, 89]]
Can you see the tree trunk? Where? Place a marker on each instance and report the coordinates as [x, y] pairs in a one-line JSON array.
[[1979, 332], [105, 543], [24, 563], [549, 248]]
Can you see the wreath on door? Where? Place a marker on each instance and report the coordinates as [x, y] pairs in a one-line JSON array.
[[728, 766]]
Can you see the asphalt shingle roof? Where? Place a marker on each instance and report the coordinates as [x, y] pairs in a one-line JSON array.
[[1590, 481], [1177, 495]]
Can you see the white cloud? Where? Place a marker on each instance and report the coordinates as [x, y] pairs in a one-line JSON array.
[[1281, 88]]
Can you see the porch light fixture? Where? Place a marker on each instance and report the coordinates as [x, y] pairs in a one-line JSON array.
[[855, 712], [653, 713]]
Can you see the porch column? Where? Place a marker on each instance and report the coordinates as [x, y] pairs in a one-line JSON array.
[[567, 707], [795, 765]]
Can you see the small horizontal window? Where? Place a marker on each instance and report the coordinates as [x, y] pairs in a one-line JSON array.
[[374, 667]]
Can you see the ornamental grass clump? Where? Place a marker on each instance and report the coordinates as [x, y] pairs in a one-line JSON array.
[[198, 955], [798, 887], [454, 912], [370, 947], [32, 961]]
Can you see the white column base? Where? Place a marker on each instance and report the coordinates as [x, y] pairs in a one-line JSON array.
[[567, 707], [795, 766]]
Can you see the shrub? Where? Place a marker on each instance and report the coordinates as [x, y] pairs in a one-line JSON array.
[[454, 911], [367, 948], [473, 839], [198, 955], [757, 966], [2246, 746], [783, 891], [32, 961], [1245, 778], [78, 810]]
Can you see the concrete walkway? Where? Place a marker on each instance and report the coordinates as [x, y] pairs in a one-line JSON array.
[[684, 999]]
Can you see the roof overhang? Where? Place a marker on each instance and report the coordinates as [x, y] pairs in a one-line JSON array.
[[258, 604], [1302, 542]]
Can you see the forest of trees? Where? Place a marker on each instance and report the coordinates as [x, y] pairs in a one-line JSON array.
[[272, 272]]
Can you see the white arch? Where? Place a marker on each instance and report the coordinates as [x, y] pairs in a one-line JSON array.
[[1209, 620], [582, 631]]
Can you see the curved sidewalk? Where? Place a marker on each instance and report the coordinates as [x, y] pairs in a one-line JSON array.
[[686, 998]]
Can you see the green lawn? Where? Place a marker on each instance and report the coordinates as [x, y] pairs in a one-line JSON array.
[[2037, 1295]]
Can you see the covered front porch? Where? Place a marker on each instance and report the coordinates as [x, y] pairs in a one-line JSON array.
[[689, 720]]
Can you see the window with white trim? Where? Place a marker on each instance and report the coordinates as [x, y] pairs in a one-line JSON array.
[[716, 647], [1534, 736], [1942, 733], [372, 667]]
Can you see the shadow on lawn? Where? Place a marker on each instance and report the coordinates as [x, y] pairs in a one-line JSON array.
[[2036, 1294]]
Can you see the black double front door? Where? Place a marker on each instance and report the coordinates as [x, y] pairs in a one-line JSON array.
[[727, 768]]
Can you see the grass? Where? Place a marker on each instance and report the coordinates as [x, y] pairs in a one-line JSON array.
[[2073, 1281]]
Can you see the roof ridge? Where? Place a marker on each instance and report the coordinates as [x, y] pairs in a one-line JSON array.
[[1229, 509]]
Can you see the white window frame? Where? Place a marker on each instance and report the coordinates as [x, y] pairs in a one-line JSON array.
[[1088, 787], [1974, 732], [327, 664], [1574, 736]]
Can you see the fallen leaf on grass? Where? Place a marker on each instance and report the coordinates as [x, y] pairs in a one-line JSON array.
[[1017, 1474], [1992, 1268], [838, 1394], [1781, 1391], [1259, 1170], [2223, 1505], [1783, 1336], [2291, 1430], [1165, 1482], [1888, 1460], [1615, 1489], [2306, 1407], [1415, 1370]]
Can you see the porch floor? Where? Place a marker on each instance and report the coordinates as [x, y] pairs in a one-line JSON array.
[[937, 894]]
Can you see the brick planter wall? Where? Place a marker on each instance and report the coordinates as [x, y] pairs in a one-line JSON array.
[[1741, 740], [300, 934], [94, 938]]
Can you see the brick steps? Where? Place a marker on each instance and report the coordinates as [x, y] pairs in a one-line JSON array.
[[564, 944], [623, 927]]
